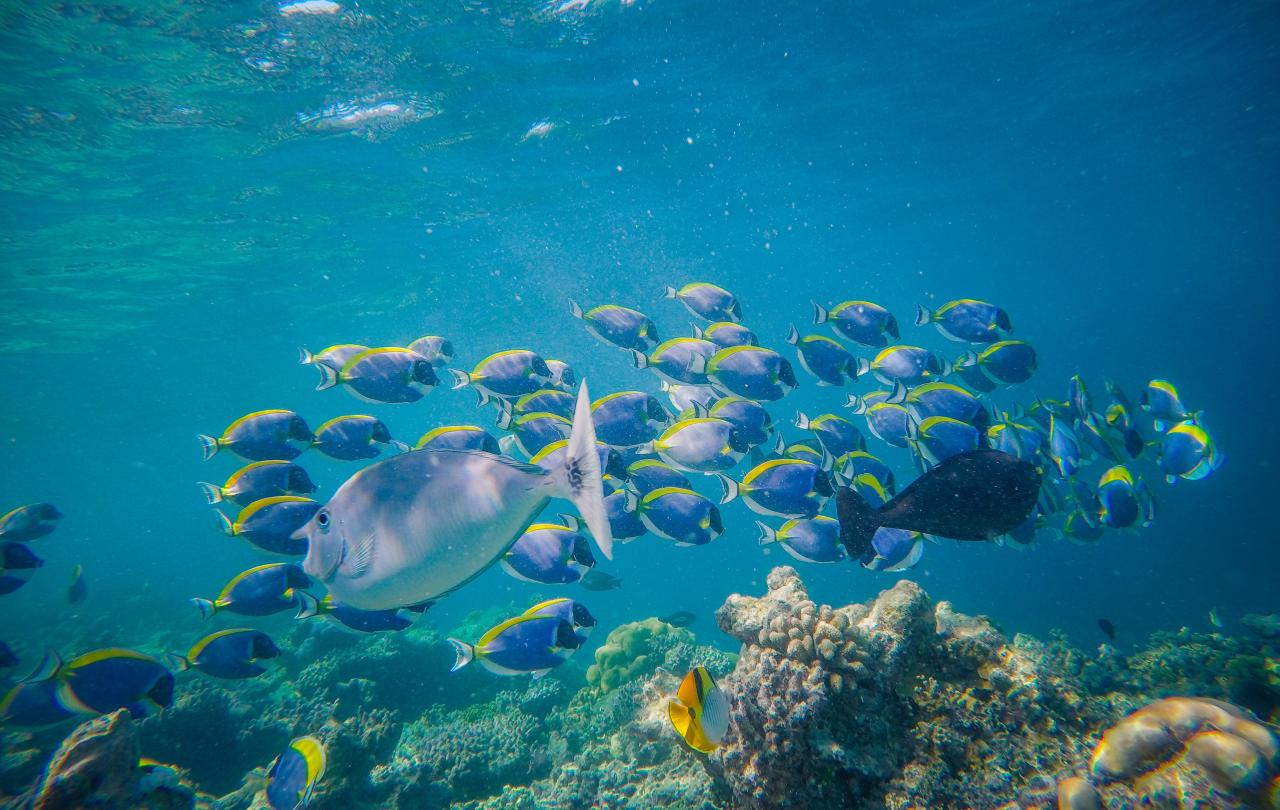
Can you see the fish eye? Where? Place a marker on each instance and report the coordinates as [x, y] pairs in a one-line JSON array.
[[322, 520]]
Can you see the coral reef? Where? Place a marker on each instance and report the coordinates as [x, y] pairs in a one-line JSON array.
[[897, 703], [97, 766]]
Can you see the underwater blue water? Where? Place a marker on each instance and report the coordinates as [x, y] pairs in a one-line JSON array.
[[170, 233]]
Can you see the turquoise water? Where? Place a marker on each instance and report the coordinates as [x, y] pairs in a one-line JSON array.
[[176, 222]]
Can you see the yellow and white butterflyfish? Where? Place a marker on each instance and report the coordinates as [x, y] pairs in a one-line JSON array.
[[700, 711]]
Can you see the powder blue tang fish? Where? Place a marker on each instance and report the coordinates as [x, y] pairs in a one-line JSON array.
[[781, 487], [458, 437], [967, 321], [837, 434], [360, 621], [628, 418], [753, 372], [416, 526], [571, 611], [938, 438], [437, 350], [863, 322], [526, 644], [727, 333], [547, 400], [680, 360], [893, 550], [271, 523], [815, 540], [942, 399], [17, 564], [262, 435], [618, 326], [261, 479], [293, 776], [506, 375], [1161, 400], [101, 681], [259, 591], [231, 654], [887, 421], [752, 420], [648, 474], [624, 523], [824, 358], [1188, 451], [859, 462], [707, 301], [390, 374], [1008, 362], [353, 438], [700, 445], [549, 554], [29, 522], [909, 365], [334, 357], [531, 432], [682, 516]]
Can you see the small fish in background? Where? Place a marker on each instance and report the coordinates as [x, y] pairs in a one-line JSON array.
[[231, 654], [978, 495], [335, 357], [1108, 629], [1161, 400], [862, 322], [824, 358], [390, 374], [681, 618], [261, 436], [539, 129], [526, 645], [29, 522], [505, 375], [8, 658], [361, 621], [597, 580], [258, 480], [17, 565], [707, 301], [700, 711], [292, 779], [618, 326], [967, 321], [78, 589], [726, 333], [437, 350], [1214, 618]]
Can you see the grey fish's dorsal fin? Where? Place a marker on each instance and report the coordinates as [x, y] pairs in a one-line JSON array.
[[359, 557]]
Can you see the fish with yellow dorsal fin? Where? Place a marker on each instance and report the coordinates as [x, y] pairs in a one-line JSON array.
[[700, 711]]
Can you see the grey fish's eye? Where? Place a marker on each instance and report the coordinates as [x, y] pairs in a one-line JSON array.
[[322, 520]]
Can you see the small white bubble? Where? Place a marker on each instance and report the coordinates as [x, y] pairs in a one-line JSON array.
[[619, 167], [635, 82], [689, 140]]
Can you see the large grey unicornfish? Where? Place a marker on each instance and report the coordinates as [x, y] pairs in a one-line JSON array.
[[419, 525]]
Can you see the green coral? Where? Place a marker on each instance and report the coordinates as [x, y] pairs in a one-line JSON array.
[[629, 652]]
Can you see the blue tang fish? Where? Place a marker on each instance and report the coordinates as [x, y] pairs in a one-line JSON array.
[[909, 365], [571, 611], [680, 360], [862, 322], [893, 550], [628, 418], [815, 540], [967, 321], [781, 487], [437, 350], [1188, 451], [17, 564], [270, 523], [458, 437], [940, 437], [824, 358], [546, 400], [1161, 400], [390, 374], [549, 554], [29, 522], [623, 521], [727, 333], [523, 645], [859, 462], [334, 357], [563, 377], [684, 397], [261, 479], [1064, 447], [354, 438], [700, 445], [647, 474], [942, 399], [682, 516], [291, 781], [261, 435], [101, 681], [232, 654], [752, 420], [887, 421], [837, 434], [1007, 362], [531, 432], [416, 526], [618, 326], [707, 301], [506, 375], [753, 372], [360, 621], [259, 591]]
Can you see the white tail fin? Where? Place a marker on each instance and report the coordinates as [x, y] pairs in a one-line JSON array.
[[671, 293], [923, 316], [212, 492], [305, 358], [793, 337], [209, 445], [461, 379], [820, 313], [767, 535], [328, 377], [308, 605], [574, 309], [207, 607], [582, 477], [729, 487], [465, 652]]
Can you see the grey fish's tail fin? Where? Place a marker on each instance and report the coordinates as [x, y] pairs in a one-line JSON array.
[[465, 652], [858, 522], [582, 479]]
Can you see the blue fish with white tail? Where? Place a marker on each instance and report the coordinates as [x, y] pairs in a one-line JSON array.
[[1188, 451], [458, 437], [261, 435], [506, 375], [259, 591], [815, 540], [707, 301], [261, 479], [824, 358], [437, 350], [753, 372], [354, 438], [388, 374], [618, 326], [524, 645], [727, 333], [549, 554], [360, 621], [684, 517], [781, 487], [680, 360], [863, 322], [271, 523], [967, 320]]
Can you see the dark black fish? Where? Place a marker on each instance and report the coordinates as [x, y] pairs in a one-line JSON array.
[[978, 495], [597, 580], [78, 589], [681, 618], [1108, 628], [7, 656]]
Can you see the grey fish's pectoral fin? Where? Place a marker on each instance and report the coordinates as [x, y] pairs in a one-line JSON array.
[[359, 557]]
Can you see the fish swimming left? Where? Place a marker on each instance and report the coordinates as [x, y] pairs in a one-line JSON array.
[[416, 526]]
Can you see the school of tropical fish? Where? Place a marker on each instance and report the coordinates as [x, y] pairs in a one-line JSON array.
[[420, 521]]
